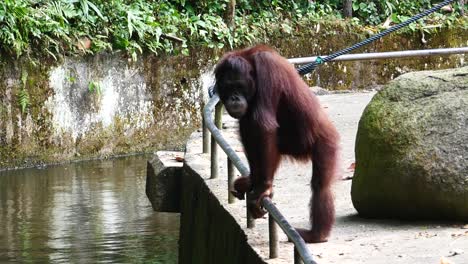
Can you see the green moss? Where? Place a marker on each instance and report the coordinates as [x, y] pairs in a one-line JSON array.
[[410, 147]]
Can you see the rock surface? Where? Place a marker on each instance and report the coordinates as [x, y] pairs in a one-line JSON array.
[[412, 149]]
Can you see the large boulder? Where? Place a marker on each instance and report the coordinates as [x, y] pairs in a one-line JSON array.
[[412, 149]]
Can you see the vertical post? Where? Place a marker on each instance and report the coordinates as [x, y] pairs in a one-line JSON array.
[[250, 219], [206, 138], [230, 169], [219, 115], [214, 145], [297, 257], [273, 236]]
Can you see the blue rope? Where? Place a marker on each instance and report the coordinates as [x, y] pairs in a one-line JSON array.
[[311, 66]]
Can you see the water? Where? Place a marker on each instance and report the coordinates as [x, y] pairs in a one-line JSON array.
[[90, 212]]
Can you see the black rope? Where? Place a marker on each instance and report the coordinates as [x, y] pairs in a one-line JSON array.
[[311, 66]]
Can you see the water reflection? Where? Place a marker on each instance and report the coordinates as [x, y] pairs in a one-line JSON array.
[[93, 212]]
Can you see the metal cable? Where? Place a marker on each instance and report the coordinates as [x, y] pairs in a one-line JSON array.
[[311, 66]]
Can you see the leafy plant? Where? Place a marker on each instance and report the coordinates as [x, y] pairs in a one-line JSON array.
[[58, 27], [23, 95], [23, 100], [94, 87], [377, 12]]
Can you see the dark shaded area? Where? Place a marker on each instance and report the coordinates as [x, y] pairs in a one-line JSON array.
[[209, 234]]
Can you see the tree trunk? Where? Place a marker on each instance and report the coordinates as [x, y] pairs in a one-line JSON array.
[[348, 8], [231, 13], [462, 7]]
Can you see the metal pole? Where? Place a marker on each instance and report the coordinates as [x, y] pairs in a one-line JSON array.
[[219, 115], [230, 169], [297, 257], [289, 231], [385, 55], [214, 145], [250, 219], [214, 159], [273, 236], [206, 137]]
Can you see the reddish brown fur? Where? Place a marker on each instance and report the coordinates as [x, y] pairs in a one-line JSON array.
[[284, 118]]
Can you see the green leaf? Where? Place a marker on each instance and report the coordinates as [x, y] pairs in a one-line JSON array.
[[84, 7], [95, 9], [23, 100], [355, 6], [94, 87]]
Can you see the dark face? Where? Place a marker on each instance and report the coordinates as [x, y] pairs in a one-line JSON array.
[[235, 84], [236, 92]]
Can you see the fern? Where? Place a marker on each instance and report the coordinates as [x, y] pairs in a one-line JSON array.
[[23, 95], [23, 100], [94, 87]]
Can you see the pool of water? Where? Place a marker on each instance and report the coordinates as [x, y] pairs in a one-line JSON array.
[[88, 212]]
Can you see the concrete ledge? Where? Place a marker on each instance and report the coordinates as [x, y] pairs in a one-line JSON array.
[[163, 180], [209, 233]]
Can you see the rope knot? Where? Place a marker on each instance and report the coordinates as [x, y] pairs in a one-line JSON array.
[[319, 60]]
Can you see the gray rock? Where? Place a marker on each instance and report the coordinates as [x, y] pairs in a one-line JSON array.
[[319, 90], [412, 149]]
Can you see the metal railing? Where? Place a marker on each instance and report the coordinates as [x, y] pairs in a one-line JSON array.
[[386, 55], [274, 215], [301, 251]]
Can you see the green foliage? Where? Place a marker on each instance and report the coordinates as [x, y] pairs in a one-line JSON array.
[[23, 100], [377, 12], [66, 27], [94, 87], [23, 95]]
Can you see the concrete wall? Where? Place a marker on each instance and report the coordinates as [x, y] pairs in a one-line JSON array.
[[209, 233], [99, 106]]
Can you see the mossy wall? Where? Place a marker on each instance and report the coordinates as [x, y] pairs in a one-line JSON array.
[[97, 106], [104, 105]]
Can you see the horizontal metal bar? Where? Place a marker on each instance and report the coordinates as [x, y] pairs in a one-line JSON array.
[[269, 206], [385, 55]]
